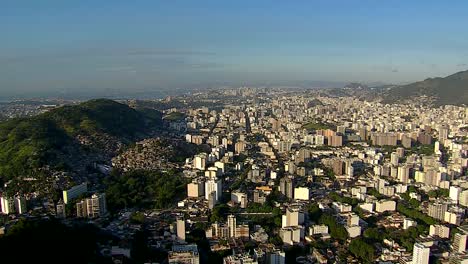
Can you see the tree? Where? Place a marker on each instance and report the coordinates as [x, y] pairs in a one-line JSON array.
[[361, 249], [374, 234], [143, 189], [38, 237], [314, 212], [219, 212], [337, 231]]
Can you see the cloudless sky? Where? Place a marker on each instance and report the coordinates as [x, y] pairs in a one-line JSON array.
[[91, 45]]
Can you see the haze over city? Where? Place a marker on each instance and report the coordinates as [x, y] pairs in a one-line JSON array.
[[97, 46]]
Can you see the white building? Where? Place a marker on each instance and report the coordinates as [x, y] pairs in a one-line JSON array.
[[199, 162], [441, 231], [454, 193], [385, 205], [92, 207], [97, 205], [239, 198], [367, 207], [341, 207], [213, 185], [219, 165], [407, 223], [463, 198], [232, 225], [8, 205], [421, 254], [301, 193], [292, 234], [318, 229], [293, 217], [353, 231]]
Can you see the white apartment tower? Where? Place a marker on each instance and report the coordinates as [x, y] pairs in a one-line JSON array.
[[421, 254]]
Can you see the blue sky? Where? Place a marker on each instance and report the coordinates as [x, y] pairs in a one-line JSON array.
[[130, 45]]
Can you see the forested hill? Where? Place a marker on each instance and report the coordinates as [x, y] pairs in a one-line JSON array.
[[451, 90], [61, 138]]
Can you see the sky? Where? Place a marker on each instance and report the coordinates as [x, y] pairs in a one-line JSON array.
[[93, 46]]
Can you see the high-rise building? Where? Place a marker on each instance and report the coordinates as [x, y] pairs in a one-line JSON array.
[[231, 222], [81, 209], [97, 205], [303, 155], [287, 187], [195, 189], [319, 140], [454, 193], [454, 215], [335, 141], [403, 173], [8, 205], [180, 229], [199, 162], [259, 197], [93, 207], [437, 210], [20, 205], [459, 240], [441, 231], [212, 199], [384, 139], [292, 234], [74, 192], [463, 199], [443, 133], [293, 217], [394, 158], [421, 254], [213, 185]]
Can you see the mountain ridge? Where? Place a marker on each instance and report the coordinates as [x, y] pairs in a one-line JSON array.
[[449, 90]]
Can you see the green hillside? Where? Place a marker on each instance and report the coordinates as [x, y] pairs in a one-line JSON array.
[[452, 90], [51, 138], [29, 143], [98, 116]]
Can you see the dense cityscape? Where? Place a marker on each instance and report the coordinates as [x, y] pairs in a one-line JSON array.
[[259, 175], [234, 132]]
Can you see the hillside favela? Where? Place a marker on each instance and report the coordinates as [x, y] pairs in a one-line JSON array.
[[233, 132]]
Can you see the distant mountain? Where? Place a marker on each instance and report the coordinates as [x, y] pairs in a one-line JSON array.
[[356, 86], [452, 90], [69, 138]]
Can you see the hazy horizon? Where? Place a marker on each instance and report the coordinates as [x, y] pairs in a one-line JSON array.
[[93, 47]]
